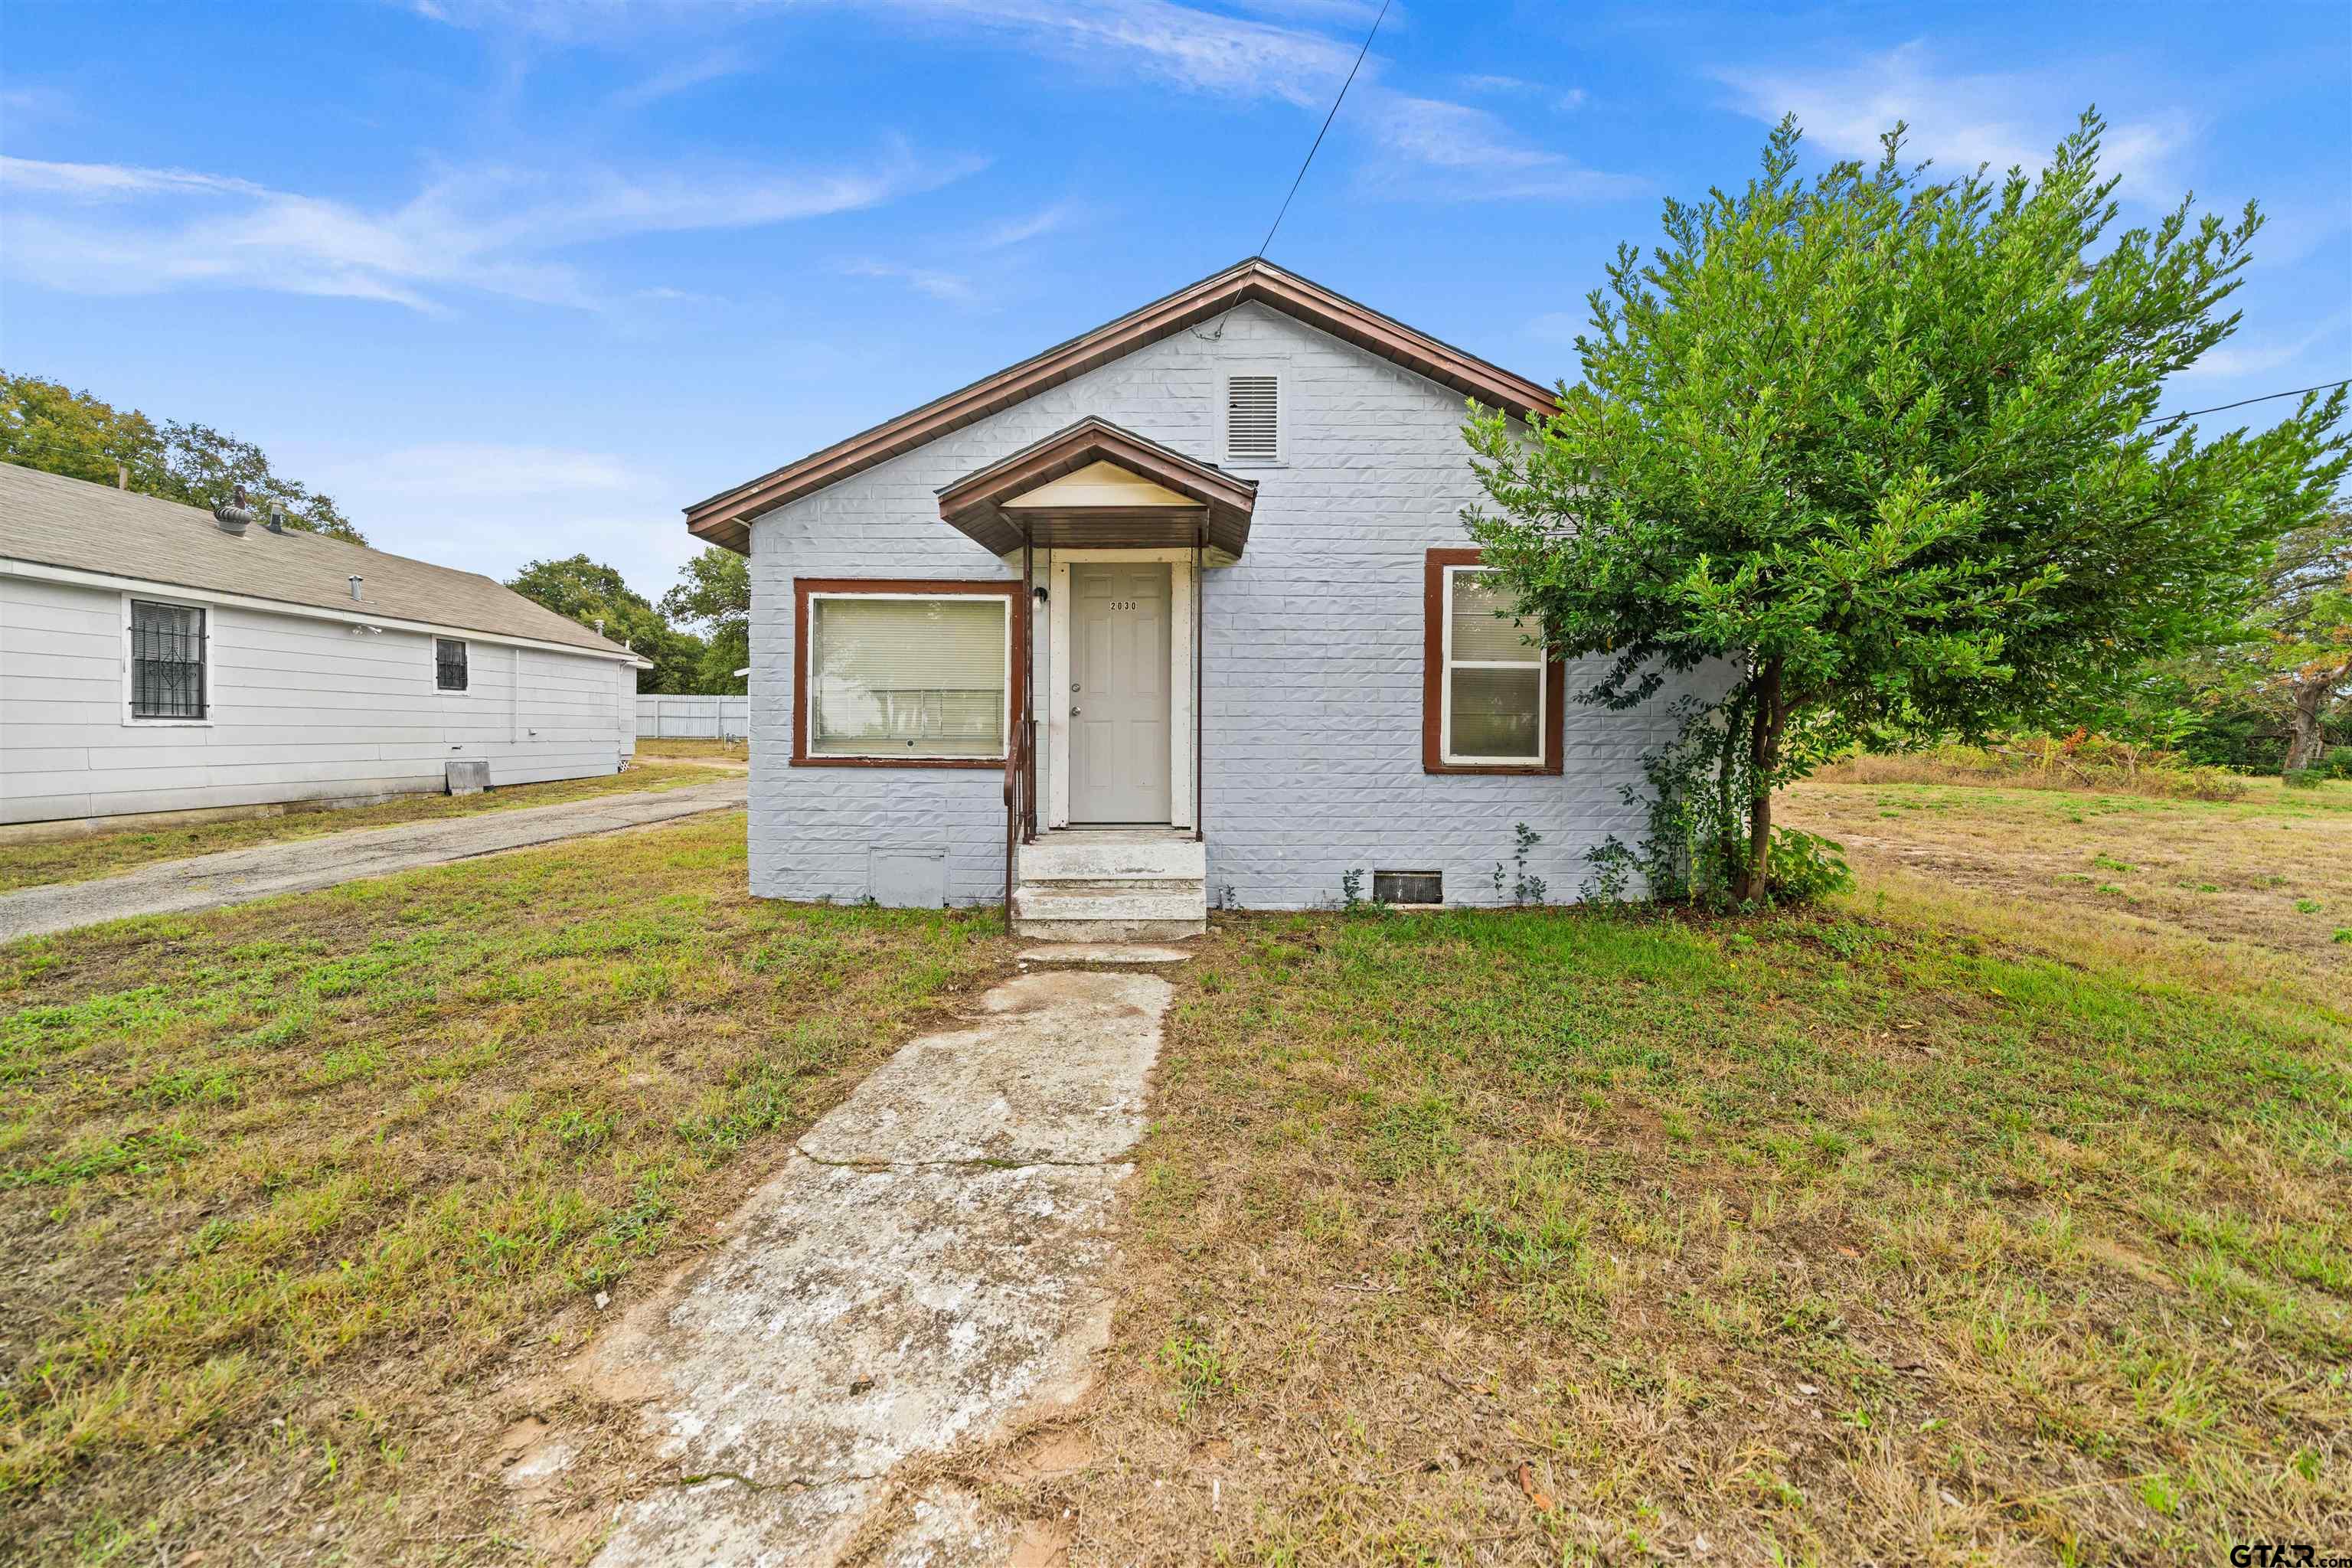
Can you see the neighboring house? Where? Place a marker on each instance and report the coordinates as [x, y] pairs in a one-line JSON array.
[[157, 657], [1262, 664]]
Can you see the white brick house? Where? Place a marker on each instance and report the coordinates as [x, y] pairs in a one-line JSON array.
[[1250, 491]]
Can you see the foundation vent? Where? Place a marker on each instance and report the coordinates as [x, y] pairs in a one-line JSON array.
[[1408, 887]]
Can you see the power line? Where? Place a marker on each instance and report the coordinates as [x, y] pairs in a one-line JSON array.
[[1326, 126], [2265, 398]]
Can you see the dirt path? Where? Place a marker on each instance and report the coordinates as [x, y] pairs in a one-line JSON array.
[[240, 876], [923, 1272]]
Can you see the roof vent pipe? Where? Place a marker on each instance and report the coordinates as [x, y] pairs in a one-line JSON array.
[[277, 523], [233, 514], [356, 581]]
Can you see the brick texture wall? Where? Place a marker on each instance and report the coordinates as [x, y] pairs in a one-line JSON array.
[[1312, 717]]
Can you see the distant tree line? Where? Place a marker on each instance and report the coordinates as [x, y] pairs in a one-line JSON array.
[[697, 636], [45, 424]]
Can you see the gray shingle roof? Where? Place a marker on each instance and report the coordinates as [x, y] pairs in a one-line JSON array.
[[57, 522]]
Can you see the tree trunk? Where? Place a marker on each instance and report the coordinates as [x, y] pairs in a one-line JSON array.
[[2303, 728], [1763, 755]]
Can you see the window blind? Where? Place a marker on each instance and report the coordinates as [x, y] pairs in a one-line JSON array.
[[1494, 679], [907, 678]]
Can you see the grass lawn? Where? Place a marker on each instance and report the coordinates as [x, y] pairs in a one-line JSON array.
[[106, 854], [1972, 1220], [2264, 880], [1938, 1228], [285, 1189]]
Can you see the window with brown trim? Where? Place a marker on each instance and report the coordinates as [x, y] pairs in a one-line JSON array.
[[1490, 703], [895, 673]]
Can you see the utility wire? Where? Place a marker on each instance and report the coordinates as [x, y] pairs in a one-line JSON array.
[[1326, 126], [2265, 398]]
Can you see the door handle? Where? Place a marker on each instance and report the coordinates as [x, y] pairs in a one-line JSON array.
[[1074, 711]]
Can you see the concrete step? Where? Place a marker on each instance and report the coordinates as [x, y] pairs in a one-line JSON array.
[[1106, 901], [1121, 931], [1113, 855]]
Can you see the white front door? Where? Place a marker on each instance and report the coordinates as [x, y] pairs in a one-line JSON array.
[[1118, 692]]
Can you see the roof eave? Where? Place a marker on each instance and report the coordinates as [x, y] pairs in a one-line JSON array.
[[725, 519]]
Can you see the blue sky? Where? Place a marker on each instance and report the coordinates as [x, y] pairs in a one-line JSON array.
[[519, 278]]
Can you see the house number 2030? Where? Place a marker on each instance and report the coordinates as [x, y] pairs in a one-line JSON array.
[[1122, 603]]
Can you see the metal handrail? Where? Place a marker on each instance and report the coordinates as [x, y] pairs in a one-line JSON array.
[[1016, 774]]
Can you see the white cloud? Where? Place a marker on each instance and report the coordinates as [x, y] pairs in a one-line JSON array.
[[951, 286], [490, 508], [100, 228], [2239, 356], [1042, 222], [1450, 152], [683, 75], [1429, 147], [1570, 100], [1958, 118], [1201, 51], [1477, 82], [1191, 49]]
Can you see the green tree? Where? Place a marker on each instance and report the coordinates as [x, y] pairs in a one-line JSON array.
[[47, 425], [206, 464], [1877, 450], [2293, 665], [714, 592], [596, 596]]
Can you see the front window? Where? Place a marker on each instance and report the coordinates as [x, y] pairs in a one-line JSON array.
[[1493, 677], [449, 664], [907, 676], [167, 661]]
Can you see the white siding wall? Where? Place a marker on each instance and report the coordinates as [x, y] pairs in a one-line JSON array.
[[301, 709]]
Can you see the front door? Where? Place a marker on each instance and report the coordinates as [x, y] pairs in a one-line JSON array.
[[1118, 692]]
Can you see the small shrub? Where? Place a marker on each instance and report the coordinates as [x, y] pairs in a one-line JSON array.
[[1801, 866], [2336, 763], [2303, 778]]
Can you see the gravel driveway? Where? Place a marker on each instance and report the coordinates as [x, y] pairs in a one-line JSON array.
[[240, 876]]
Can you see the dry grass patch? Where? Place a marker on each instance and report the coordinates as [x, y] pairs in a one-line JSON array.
[[108, 854], [286, 1190], [696, 750], [1550, 1237], [2271, 873]]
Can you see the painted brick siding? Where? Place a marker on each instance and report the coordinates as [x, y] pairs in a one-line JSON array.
[[1312, 717]]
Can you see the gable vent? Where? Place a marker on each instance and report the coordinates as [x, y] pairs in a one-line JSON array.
[[1253, 419]]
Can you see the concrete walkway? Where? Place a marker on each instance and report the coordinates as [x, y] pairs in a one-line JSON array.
[[240, 876], [925, 1270]]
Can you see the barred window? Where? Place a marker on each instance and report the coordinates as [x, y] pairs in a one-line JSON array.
[[449, 664], [167, 661]]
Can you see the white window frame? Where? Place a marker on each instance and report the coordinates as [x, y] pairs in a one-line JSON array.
[[1280, 376], [1006, 720], [130, 660], [441, 690], [1445, 687]]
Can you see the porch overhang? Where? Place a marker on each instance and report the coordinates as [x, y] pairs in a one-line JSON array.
[[1172, 501]]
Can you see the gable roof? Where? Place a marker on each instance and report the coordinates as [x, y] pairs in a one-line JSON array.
[[1203, 493], [50, 519], [725, 518]]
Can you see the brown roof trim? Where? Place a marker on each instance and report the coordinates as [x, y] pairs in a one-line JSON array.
[[1222, 501], [724, 519]]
